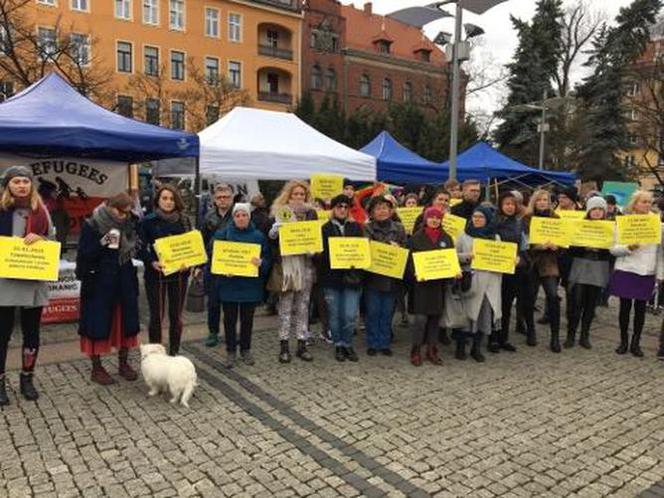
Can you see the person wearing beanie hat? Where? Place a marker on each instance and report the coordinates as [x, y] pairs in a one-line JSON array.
[[588, 277], [428, 297], [568, 199], [340, 199], [240, 295], [14, 172]]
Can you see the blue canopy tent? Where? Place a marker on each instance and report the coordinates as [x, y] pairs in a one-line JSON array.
[[50, 118]]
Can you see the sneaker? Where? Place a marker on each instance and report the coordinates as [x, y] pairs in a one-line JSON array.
[[212, 340], [326, 336], [247, 358], [351, 355]]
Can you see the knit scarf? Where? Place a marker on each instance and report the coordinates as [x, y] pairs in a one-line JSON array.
[[105, 222], [433, 234], [172, 217]]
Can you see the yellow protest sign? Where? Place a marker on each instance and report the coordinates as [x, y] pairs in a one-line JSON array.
[[639, 229], [408, 216], [38, 261], [454, 202], [437, 264], [454, 225], [549, 230], [349, 252], [234, 258], [323, 216], [180, 251], [300, 237], [495, 256], [571, 214], [596, 234], [388, 260], [326, 186]]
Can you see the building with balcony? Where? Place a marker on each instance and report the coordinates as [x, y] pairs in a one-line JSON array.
[[160, 53]]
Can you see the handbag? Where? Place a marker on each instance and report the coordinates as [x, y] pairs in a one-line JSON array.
[[196, 295]]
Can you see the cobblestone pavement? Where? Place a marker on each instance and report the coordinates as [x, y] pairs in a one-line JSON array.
[[531, 423]]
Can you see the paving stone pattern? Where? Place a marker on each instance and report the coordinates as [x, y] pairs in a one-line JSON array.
[[581, 424]]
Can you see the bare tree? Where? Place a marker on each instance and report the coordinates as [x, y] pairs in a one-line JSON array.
[[29, 53]]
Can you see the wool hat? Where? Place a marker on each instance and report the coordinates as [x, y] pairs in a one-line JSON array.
[[571, 193], [432, 212], [595, 203], [16, 171], [341, 199], [242, 206]]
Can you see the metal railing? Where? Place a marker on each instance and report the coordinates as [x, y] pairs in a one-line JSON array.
[[280, 98], [279, 53]]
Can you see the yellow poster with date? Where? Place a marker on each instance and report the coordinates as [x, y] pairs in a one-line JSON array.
[[38, 261], [326, 186], [554, 231], [388, 260], [454, 202], [495, 256], [349, 252], [408, 216], [180, 251], [234, 258], [323, 216], [571, 214], [639, 229], [300, 237], [436, 265], [454, 225], [596, 234]]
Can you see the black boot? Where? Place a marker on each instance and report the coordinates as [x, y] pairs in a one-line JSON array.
[[460, 353], [475, 352], [4, 400], [339, 354], [531, 338], [503, 341], [584, 341], [284, 353], [624, 343], [27, 387], [443, 338], [302, 352], [635, 347], [494, 342], [660, 351], [569, 342], [555, 342]]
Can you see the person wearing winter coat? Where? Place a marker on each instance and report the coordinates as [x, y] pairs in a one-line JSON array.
[[428, 296], [482, 302], [239, 296], [633, 281], [109, 286], [22, 214], [588, 276], [342, 289]]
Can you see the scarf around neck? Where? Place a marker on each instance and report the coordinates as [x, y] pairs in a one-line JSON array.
[[104, 221]]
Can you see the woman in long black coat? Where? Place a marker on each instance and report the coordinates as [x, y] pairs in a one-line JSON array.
[[109, 286]]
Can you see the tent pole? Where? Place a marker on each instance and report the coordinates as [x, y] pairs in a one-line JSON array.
[[487, 192], [197, 192]]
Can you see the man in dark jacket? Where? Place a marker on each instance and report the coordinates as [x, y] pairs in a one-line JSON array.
[[471, 199]]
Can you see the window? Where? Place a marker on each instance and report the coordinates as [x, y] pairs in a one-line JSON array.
[[176, 13], [235, 27], [151, 61], [427, 94], [331, 80], [634, 115], [47, 2], [365, 86], [313, 41], [151, 12], [152, 111], [123, 9], [80, 5], [407, 92], [235, 74], [124, 51], [6, 90], [316, 78], [125, 106], [634, 89], [423, 55], [211, 114], [177, 65], [387, 89], [383, 47], [272, 82], [80, 49], [272, 38], [177, 115], [212, 22], [48, 42], [629, 161], [212, 70]]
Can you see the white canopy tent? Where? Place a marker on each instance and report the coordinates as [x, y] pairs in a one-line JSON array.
[[267, 145]]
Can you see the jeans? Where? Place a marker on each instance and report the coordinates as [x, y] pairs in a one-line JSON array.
[[246, 314], [343, 306], [514, 288], [380, 308], [550, 287]]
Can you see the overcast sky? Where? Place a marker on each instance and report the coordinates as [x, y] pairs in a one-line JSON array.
[[500, 40]]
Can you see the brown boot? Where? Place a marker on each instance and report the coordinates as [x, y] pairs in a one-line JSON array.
[[415, 357], [124, 369], [432, 355], [99, 373]]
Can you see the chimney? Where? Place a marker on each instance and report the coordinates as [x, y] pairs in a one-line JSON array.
[[368, 8]]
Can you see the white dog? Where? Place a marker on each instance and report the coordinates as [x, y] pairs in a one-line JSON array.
[[161, 371]]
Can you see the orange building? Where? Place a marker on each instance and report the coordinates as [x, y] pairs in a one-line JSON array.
[[175, 46]]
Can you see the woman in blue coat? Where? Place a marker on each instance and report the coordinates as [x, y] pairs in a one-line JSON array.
[[239, 296], [109, 286]]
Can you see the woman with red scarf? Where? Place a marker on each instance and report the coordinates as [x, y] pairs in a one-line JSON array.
[[428, 296], [22, 214]]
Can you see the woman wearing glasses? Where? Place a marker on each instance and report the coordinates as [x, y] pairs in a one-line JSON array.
[[109, 286]]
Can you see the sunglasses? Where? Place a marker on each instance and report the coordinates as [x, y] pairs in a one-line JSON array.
[[342, 206]]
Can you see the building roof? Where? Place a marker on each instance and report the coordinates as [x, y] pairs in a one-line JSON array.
[[406, 39]]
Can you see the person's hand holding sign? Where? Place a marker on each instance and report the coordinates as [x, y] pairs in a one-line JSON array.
[[31, 238], [633, 247], [158, 267], [256, 261]]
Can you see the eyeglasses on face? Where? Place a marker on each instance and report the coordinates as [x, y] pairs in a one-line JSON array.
[[342, 206]]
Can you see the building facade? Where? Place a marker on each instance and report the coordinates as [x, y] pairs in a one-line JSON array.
[[166, 59], [369, 61]]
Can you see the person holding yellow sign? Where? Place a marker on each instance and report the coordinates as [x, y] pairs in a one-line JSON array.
[[239, 295], [635, 273], [342, 288], [588, 276], [428, 296], [167, 219], [22, 214]]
